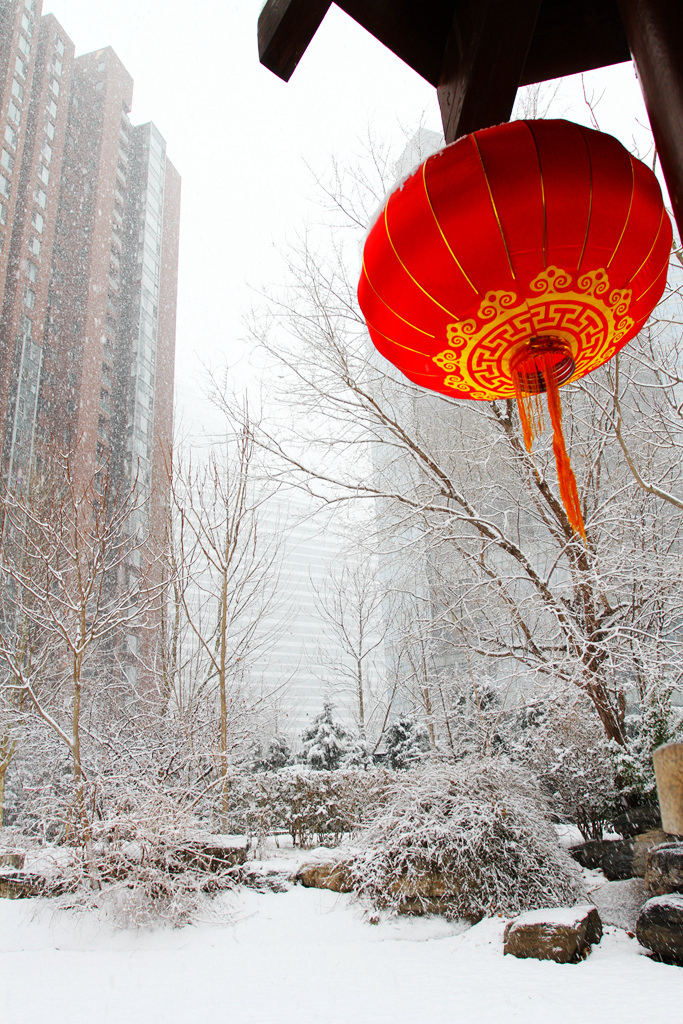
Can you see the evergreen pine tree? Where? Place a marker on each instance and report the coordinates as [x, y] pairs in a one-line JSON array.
[[407, 742], [326, 742]]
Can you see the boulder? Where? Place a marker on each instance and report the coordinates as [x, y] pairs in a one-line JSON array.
[[660, 927], [212, 853], [334, 875], [12, 859], [635, 820], [423, 892], [626, 858], [664, 869], [668, 762], [564, 935], [617, 859], [588, 854], [16, 885], [642, 845]]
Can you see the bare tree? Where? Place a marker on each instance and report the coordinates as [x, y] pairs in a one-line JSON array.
[[226, 572], [72, 596], [511, 583]]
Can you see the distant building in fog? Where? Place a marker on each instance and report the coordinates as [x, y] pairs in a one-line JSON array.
[[89, 211]]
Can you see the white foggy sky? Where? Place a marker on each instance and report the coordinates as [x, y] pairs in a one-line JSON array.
[[241, 140]]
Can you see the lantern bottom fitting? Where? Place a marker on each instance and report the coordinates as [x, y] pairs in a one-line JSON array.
[[538, 359]]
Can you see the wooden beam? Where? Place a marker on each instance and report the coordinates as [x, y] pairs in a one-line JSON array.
[[573, 36], [415, 31], [654, 29], [483, 62], [285, 28]]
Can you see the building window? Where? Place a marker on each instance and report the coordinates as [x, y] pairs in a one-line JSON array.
[[99, 87], [29, 298], [17, 90], [54, 86], [44, 174], [59, 45], [31, 271], [46, 152], [7, 161], [20, 67], [57, 66], [24, 45], [26, 23], [4, 185], [34, 246], [49, 129], [10, 136], [3, 216], [52, 108], [13, 112], [41, 198], [26, 325], [37, 221]]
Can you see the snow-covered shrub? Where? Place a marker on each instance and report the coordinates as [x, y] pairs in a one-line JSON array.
[[278, 754], [655, 722], [469, 839], [310, 806], [565, 747], [146, 862], [407, 742]]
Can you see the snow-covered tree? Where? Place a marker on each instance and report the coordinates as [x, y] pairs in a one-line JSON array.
[[407, 742], [327, 742]]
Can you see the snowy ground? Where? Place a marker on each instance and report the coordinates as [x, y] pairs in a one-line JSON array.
[[308, 956]]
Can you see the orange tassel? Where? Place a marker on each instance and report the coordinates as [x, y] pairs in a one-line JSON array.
[[565, 474], [531, 375]]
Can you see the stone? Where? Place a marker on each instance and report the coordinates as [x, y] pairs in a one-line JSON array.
[[617, 859], [668, 761], [635, 820], [334, 875], [588, 854], [12, 859], [16, 885], [664, 869], [660, 927], [626, 858], [564, 935], [213, 853], [642, 845]]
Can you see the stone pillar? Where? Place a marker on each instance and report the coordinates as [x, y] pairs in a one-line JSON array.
[[668, 761]]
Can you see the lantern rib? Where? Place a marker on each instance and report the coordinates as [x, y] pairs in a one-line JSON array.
[[652, 247], [590, 200], [545, 213], [392, 310], [493, 204], [398, 344], [628, 213], [441, 231], [414, 280], [655, 281]]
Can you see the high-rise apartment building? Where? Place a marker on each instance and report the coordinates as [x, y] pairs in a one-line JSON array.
[[89, 211]]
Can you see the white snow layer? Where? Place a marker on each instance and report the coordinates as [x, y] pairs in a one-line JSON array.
[[308, 956]]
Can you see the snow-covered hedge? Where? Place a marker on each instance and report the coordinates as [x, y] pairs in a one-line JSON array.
[[469, 840], [310, 806]]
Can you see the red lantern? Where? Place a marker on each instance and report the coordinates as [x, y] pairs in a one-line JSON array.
[[515, 260]]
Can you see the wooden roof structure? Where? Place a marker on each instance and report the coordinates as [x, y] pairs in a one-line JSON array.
[[477, 53]]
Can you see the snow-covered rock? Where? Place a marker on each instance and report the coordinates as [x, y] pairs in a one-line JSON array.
[[660, 927], [564, 935]]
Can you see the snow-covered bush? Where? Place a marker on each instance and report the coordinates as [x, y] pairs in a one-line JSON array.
[[146, 862], [310, 806], [469, 839], [564, 746]]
